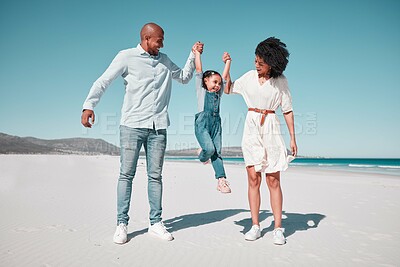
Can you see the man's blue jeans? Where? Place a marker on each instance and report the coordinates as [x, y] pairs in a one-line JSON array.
[[154, 143]]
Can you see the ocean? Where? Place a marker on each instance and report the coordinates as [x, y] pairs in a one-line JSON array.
[[365, 165]]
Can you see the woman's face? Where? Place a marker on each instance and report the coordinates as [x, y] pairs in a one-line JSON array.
[[263, 69], [213, 83]]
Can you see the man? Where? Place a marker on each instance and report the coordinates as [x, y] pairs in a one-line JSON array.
[[144, 119]]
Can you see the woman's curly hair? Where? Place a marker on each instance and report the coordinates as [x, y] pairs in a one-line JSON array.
[[275, 54]]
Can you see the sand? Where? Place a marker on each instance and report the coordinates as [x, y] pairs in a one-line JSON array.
[[60, 211]]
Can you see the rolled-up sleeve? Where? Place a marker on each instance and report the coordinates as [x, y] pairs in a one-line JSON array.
[[237, 87], [184, 75], [286, 100], [117, 67]]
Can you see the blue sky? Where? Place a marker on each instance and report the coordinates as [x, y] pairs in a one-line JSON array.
[[343, 67]]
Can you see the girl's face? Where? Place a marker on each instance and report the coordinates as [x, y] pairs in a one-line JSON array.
[[263, 69], [213, 83]]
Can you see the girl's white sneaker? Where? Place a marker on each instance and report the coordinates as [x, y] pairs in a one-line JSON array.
[[223, 186]]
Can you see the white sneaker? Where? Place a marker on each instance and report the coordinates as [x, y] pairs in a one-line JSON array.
[[159, 230], [121, 234], [253, 234], [223, 185], [279, 238]]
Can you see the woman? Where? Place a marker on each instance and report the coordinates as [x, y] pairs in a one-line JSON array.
[[264, 90]]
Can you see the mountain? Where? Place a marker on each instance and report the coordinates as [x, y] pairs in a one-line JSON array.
[[10, 144]]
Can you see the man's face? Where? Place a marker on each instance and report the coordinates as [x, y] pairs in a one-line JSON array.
[[155, 42]]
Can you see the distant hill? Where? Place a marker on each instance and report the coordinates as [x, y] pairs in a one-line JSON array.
[[10, 144]]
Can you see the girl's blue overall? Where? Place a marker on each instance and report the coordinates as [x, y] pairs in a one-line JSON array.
[[208, 132]]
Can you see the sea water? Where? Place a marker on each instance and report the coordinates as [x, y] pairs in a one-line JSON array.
[[369, 165]]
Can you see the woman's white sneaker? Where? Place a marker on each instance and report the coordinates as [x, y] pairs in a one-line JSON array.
[[159, 230], [279, 238], [121, 234], [253, 234]]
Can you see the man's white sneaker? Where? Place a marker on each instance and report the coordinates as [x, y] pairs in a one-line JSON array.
[[159, 230], [279, 238], [121, 234], [253, 234]]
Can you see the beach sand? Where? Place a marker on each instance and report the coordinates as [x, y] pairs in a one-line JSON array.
[[61, 211]]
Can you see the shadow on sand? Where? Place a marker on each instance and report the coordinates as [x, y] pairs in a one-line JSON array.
[[192, 220], [292, 222], [198, 219]]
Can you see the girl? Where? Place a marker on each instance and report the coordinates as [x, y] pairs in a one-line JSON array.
[[264, 90], [208, 128]]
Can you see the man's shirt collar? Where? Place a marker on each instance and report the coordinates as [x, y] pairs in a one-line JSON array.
[[141, 50]]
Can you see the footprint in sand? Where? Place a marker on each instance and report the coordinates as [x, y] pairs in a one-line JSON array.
[[379, 236], [26, 229], [60, 228]]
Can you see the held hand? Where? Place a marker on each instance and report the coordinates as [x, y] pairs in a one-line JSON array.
[[198, 46], [293, 147], [226, 57], [194, 48], [86, 115]]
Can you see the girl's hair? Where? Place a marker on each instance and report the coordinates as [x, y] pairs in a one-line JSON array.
[[275, 54], [206, 74]]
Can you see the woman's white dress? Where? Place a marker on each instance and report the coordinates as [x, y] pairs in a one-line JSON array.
[[263, 146]]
